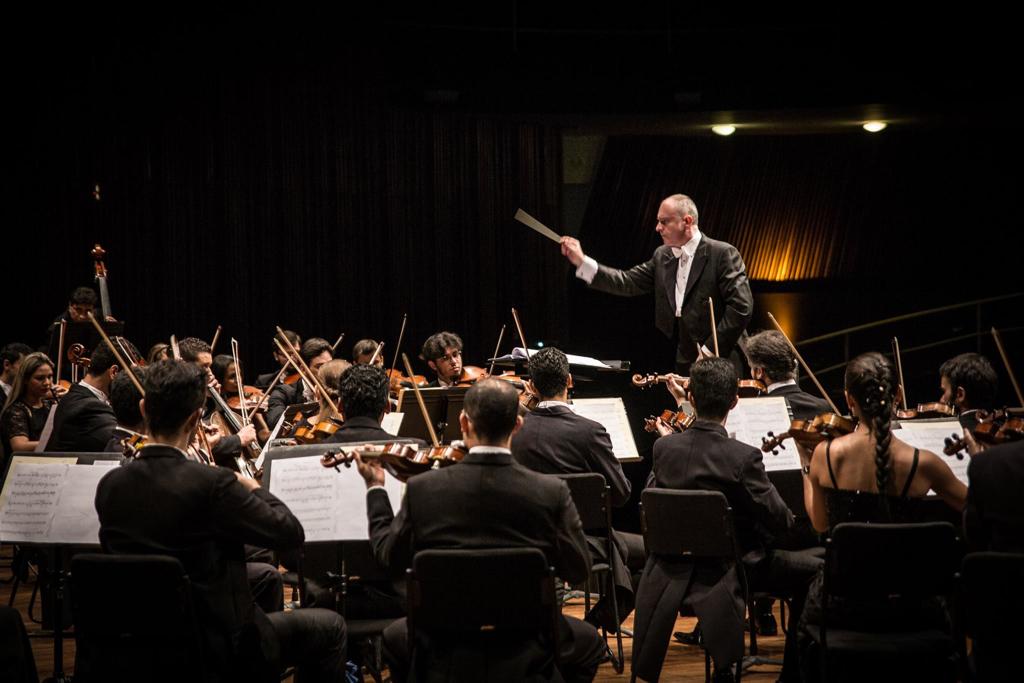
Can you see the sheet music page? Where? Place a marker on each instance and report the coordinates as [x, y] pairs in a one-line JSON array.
[[330, 504], [752, 419], [611, 413], [392, 422], [75, 519], [931, 436], [50, 502]]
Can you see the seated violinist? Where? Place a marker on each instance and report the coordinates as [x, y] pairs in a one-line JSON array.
[[443, 353], [364, 400], [223, 369], [124, 399], [969, 384], [773, 363], [84, 420], [263, 381], [363, 351], [227, 446], [315, 352], [305, 429]]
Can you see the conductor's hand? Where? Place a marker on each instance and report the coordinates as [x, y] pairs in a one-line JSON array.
[[572, 250], [370, 470]]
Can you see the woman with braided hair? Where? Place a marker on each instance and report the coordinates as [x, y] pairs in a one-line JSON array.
[[871, 475]]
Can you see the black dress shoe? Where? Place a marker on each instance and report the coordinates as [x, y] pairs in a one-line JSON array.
[[691, 638]]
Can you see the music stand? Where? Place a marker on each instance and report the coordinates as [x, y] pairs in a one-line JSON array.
[[443, 407]]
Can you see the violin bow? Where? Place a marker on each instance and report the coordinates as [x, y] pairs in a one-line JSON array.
[[1006, 361], [312, 379], [519, 329], [899, 369], [423, 406], [497, 348], [803, 364], [376, 353], [714, 329], [216, 336], [398, 346], [117, 354], [334, 346], [60, 347], [238, 382]]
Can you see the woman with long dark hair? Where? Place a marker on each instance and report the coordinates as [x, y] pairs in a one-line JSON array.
[[24, 414]]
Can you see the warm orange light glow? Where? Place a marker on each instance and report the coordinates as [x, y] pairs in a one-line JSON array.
[[784, 252]]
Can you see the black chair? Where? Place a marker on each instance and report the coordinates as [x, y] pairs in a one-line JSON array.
[[881, 579], [590, 495], [470, 610], [360, 568], [691, 525], [990, 608], [134, 619]]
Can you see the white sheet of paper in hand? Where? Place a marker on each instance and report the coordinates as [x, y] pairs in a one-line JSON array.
[[931, 436], [330, 504], [611, 413], [753, 418]]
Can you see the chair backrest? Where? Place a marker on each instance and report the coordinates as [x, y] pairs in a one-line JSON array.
[[992, 604], [487, 590], [889, 560], [134, 618], [695, 524], [590, 495]]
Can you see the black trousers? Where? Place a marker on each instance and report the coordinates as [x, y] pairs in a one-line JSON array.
[[314, 641]]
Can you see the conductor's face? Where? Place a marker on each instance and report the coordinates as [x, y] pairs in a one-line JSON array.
[[675, 229]]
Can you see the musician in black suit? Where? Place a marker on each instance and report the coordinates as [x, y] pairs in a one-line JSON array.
[[315, 352], [84, 420], [994, 517], [555, 440], [969, 383], [486, 501], [683, 273], [206, 514], [704, 458], [263, 381], [363, 390]]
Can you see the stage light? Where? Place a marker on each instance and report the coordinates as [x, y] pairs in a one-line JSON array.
[[723, 129], [875, 126]]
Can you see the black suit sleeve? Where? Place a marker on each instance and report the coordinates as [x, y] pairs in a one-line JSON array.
[[390, 535], [767, 506], [258, 518], [282, 396], [739, 302], [639, 279]]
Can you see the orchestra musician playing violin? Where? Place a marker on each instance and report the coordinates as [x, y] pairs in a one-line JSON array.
[[363, 351], [555, 440], [263, 381], [363, 391], [84, 420], [443, 353], [704, 457], [969, 383], [486, 501], [24, 413], [683, 273], [206, 515], [315, 352], [773, 363], [223, 370], [124, 401], [227, 446], [11, 355]]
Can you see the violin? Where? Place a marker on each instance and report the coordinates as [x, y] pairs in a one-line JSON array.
[[678, 421], [993, 428], [750, 388], [319, 431], [401, 460], [471, 374], [927, 411], [649, 380], [252, 400], [399, 381], [809, 433]]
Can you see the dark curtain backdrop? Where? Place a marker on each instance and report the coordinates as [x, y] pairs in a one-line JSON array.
[[863, 227], [299, 198]]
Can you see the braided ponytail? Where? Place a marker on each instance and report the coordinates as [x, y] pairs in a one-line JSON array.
[[871, 380]]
